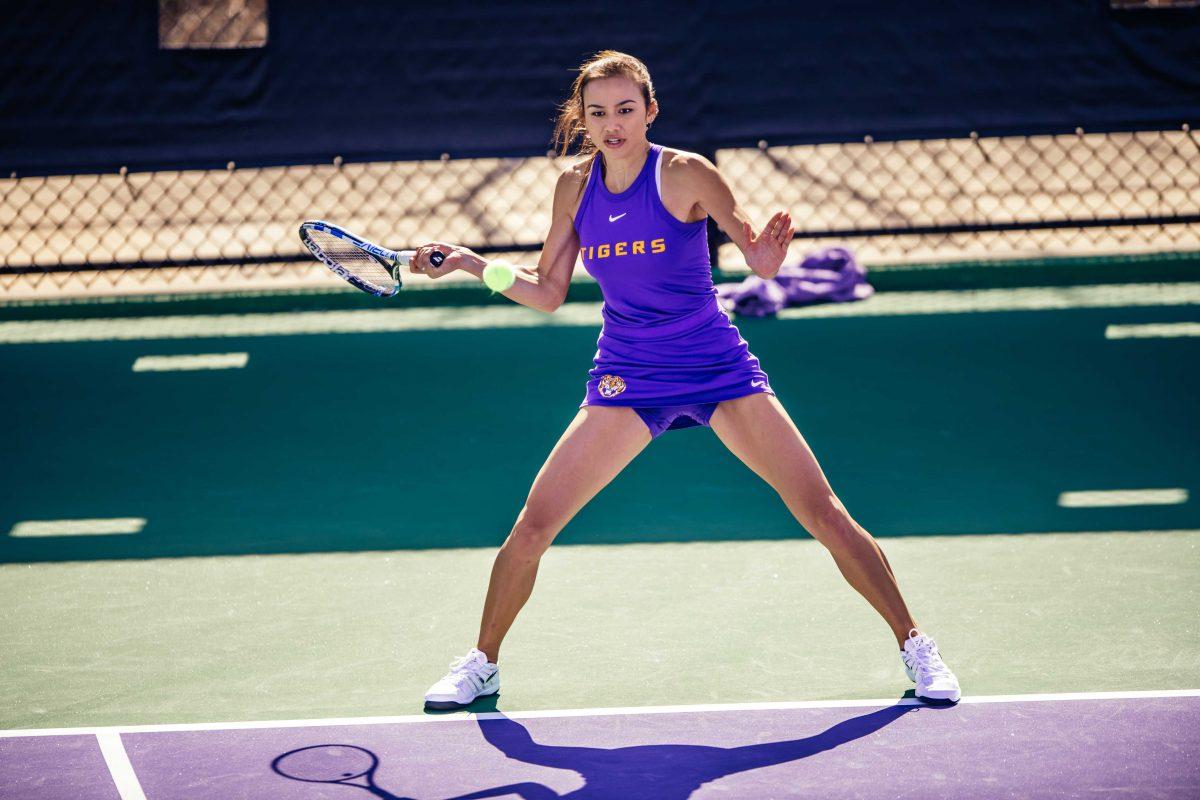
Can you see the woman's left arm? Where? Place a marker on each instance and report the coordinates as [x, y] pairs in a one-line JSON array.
[[765, 251]]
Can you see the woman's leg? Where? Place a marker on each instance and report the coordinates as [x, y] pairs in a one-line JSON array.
[[758, 430], [596, 446]]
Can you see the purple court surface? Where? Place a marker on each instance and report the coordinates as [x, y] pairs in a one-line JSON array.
[[1132, 747]]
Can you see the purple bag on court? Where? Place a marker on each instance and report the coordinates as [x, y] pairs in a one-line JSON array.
[[828, 275]]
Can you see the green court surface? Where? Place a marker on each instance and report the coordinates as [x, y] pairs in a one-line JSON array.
[[364, 634], [299, 561]]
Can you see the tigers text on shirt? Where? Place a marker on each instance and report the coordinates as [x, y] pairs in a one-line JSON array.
[[618, 249]]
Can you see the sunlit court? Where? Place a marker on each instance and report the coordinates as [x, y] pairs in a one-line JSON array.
[[804, 396]]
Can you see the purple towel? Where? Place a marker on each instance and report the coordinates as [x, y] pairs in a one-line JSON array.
[[828, 275]]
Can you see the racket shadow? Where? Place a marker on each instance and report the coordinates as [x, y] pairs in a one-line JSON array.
[[333, 764]]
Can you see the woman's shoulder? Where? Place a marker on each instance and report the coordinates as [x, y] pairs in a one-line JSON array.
[[685, 170], [683, 161], [575, 174], [686, 175], [568, 192]]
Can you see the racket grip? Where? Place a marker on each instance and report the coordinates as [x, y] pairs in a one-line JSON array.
[[405, 257]]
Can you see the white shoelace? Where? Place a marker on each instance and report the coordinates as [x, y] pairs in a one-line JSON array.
[[926, 660], [468, 668]]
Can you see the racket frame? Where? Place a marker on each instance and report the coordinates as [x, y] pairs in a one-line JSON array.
[[392, 260]]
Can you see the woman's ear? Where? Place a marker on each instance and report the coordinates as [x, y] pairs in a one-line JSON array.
[[651, 112]]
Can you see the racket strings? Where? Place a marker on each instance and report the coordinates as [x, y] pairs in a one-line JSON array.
[[364, 266]]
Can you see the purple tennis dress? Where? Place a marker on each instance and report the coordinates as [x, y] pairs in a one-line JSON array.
[[666, 348]]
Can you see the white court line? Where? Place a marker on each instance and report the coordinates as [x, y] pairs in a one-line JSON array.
[[117, 759], [1123, 497], [76, 527], [1161, 330], [592, 712], [191, 362], [574, 314]]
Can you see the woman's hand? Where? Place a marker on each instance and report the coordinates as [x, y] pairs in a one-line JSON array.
[[456, 258], [765, 252]]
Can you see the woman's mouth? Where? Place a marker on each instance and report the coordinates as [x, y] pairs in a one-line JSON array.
[[613, 141]]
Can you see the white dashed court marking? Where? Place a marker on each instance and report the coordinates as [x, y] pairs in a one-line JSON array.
[[1162, 330], [1124, 497], [192, 362], [76, 527]]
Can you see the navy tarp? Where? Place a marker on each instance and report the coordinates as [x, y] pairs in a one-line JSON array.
[[84, 86]]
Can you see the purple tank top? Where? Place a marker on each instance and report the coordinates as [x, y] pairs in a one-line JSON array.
[[665, 339]]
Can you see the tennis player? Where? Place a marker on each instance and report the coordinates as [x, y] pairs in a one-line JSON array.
[[668, 357]]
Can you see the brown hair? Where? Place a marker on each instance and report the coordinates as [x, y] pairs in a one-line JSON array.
[[606, 64]]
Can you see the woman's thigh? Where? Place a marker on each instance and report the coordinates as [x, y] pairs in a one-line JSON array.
[[758, 430], [593, 450]]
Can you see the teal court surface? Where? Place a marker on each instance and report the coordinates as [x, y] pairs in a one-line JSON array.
[[234, 574]]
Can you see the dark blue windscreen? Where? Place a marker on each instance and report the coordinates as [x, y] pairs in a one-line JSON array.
[[84, 86]]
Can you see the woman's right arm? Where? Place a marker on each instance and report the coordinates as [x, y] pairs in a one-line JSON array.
[[543, 287]]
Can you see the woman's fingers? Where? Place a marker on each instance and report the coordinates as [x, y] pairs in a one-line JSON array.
[[421, 264], [453, 257], [785, 228], [769, 228], [782, 228], [414, 266], [774, 227]]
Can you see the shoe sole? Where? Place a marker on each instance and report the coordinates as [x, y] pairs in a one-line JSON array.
[[451, 705], [931, 701]]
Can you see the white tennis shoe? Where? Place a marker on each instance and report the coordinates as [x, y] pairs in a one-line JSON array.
[[936, 684], [469, 678]]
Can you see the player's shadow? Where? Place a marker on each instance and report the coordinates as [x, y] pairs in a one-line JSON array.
[[661, 771]]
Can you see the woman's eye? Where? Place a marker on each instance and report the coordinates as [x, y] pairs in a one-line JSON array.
[[597, 113], [626, 110]]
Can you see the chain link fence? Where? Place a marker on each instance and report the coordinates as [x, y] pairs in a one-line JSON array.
[[219, 227], [894, 202], [980, 198], [211, 24]]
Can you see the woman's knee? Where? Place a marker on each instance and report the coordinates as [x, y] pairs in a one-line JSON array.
[[831, 524], [530, 536]]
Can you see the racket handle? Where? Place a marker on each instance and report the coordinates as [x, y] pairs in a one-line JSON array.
[[405, 257]]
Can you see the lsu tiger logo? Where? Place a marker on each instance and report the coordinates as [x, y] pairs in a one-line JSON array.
[[610, 385]]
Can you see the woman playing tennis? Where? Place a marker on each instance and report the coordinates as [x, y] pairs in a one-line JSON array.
[[668, 357]]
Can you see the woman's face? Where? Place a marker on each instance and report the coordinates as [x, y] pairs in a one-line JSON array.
[[616, 115]]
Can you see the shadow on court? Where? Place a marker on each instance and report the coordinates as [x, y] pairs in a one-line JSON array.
[[661, 771]]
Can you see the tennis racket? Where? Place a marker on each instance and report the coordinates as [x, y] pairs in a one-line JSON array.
[[364, 265]]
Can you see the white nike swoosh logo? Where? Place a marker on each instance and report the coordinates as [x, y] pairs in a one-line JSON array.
[[611, 218], [759, 384]]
